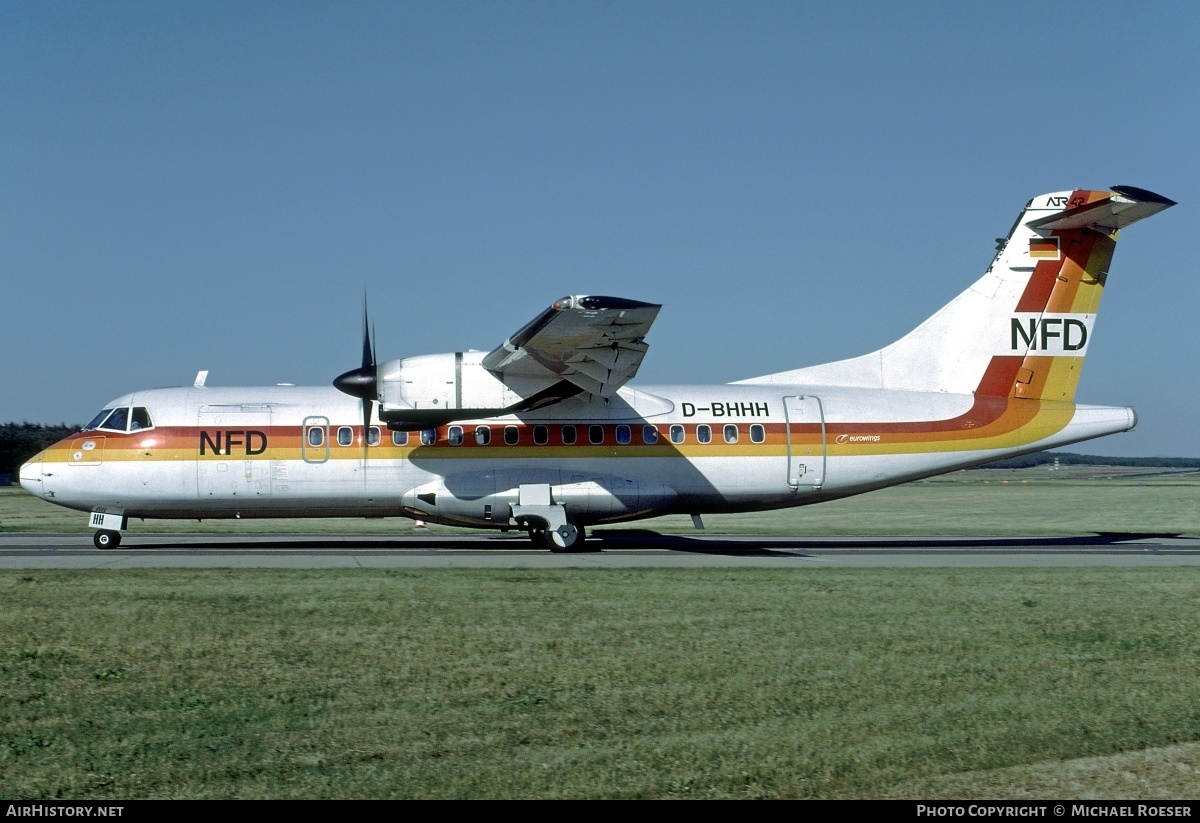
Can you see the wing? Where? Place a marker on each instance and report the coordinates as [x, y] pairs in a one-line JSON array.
[[596, 343]]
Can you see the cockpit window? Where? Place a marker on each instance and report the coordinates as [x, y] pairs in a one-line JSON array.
[[118, 421], [122, 420], [140, 420], [97, 420]]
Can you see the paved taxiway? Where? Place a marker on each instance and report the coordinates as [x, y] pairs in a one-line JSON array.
[[622, 550]]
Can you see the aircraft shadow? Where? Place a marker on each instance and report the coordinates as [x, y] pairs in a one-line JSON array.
[[246, 543], [631, 540], [783, 546]]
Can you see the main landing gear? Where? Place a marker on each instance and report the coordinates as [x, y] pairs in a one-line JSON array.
[[565, 538], [106, 539], [550, 527]]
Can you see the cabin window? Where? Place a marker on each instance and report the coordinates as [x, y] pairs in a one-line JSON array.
[[703, 434], [316, 436], [569, 435], [757, 433], [731, 433], [541, 435], [345, 436], [373, 438], [677, 434], [483, 435], [512, 435], [454, 435], [428, 437], [399, 438], [140, 420], [118, 421], [595, 435], [649, 435], [623, 435]]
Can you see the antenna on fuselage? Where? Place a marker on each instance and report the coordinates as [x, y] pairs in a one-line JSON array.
[[201, 376]]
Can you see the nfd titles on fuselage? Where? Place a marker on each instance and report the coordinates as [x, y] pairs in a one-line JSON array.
[[251, 441]]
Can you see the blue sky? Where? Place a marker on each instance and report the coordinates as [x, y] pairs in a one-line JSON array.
[[212, 185]]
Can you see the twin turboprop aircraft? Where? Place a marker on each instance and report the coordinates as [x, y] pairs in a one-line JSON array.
[[543, 433]]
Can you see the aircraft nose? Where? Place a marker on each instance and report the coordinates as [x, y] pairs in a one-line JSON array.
[[31, 476]]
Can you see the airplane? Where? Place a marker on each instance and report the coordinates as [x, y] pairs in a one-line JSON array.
[[544, 433]]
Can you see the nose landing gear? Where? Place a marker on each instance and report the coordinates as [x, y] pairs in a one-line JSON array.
[[108, 525], [106, 539]]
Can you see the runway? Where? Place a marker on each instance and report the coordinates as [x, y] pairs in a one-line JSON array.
[[629, 549]]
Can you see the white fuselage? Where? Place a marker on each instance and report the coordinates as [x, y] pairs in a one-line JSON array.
[[299, 451]]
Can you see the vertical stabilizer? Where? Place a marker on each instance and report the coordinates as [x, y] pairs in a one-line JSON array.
[[1023, 328]]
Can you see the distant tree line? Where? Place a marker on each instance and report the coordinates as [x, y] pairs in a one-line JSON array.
[[1028, 461], [21, 441]]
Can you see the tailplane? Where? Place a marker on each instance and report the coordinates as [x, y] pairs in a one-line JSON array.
[[1022, 329]]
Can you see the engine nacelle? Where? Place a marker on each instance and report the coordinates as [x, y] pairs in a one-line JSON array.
[[454, 380]]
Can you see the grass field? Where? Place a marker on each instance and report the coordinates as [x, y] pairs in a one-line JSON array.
[[658, 683], [998, 502], [600, 683]]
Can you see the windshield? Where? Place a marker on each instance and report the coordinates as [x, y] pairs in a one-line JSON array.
[[117, 421], [97, 420], [121, 420]]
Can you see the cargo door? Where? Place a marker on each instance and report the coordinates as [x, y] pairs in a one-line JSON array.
[[805, 442], [232, 462]]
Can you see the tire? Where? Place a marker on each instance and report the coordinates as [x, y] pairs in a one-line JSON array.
[[566, 538], [105, 539]]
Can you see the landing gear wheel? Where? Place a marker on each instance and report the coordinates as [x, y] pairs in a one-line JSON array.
[[563, 539], [105, 539]]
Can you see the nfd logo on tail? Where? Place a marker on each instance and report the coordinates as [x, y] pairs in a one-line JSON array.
[[544, 434], [1058, 335]]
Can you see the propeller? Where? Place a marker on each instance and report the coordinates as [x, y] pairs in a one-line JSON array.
[[361, 382]]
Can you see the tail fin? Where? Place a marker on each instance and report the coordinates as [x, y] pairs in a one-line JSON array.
[[1023, 328]]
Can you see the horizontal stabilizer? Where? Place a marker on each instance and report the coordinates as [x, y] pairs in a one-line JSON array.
[[1127, 206]]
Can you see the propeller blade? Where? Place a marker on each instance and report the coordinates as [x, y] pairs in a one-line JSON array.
[[360, 382], [366, 429], [368, 354]]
